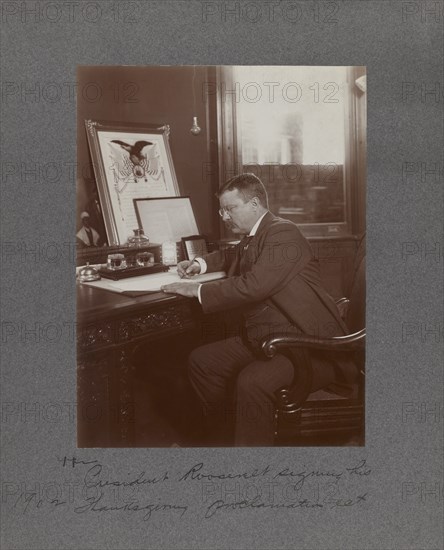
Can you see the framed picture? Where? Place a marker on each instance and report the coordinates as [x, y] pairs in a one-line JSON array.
[[166, 218], [194, 246], [130, 161]]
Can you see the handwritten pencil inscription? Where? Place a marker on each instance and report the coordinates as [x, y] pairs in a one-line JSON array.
[[197, 491]]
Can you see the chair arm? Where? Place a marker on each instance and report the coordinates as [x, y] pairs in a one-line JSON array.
[[351, 342], [343, 304]]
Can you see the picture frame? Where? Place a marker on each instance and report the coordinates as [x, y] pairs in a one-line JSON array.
[[194, 246], [129, 161], [165, 219]]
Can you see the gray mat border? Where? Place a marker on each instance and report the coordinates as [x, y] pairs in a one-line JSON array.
[[399, 43]]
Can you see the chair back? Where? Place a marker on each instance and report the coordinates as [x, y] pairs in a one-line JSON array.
[[355, 319]]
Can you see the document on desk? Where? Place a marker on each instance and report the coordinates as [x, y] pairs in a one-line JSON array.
[[153, 282]]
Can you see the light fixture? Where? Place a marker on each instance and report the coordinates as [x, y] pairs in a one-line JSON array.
[[195, 128]]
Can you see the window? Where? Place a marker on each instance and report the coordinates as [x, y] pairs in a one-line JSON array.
[[297, 129]]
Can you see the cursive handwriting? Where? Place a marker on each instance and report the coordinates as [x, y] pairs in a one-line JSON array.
[[75, 461], [195, 473], [140, 494], [33, 499], [360, 469], [93, 505], [340, 503], [257, 503], [92, 479], [302, 476]]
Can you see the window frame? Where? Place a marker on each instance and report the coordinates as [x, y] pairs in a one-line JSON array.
[[354, 168]]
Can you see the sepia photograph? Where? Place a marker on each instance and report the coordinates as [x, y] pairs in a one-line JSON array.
[[221, 274], [254, 336]]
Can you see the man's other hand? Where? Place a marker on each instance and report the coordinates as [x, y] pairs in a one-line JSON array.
[[187, 269], [190, 290]]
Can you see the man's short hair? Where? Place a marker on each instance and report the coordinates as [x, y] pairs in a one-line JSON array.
[[249, 185]]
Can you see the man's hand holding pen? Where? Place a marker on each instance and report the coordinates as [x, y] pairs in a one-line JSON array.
[[186, 270]]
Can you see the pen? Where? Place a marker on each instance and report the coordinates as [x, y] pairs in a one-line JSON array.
[[191, 263]]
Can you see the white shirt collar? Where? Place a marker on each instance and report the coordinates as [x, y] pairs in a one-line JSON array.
[[256, 225]]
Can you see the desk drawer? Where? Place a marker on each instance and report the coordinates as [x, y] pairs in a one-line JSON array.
[[175, 317], [153, 323]]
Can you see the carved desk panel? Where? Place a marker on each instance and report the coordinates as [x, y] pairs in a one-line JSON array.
[[109, 327]]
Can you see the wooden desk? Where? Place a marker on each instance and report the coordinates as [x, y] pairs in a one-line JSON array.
[[109, 328]]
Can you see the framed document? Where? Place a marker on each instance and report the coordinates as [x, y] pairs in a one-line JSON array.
[[194, 246], [129, 161], [166, 218]]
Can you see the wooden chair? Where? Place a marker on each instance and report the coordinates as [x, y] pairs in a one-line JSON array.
[[323, 417]]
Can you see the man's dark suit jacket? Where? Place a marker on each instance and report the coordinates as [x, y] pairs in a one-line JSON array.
[[276, 282]]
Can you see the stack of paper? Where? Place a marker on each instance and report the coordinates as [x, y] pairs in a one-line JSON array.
[[153, 282]]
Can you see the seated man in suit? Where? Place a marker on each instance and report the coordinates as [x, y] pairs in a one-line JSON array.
[[274, 277]]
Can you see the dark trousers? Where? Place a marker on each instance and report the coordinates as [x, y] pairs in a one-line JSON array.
[[234, 385]]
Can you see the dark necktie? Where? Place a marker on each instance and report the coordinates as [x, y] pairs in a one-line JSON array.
[[90, 236], [243, 246], [240, 249]]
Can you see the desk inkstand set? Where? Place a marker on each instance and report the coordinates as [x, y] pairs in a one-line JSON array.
[[122, 265]]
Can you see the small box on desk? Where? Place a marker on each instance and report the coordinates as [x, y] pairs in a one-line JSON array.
[[179, 253]]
